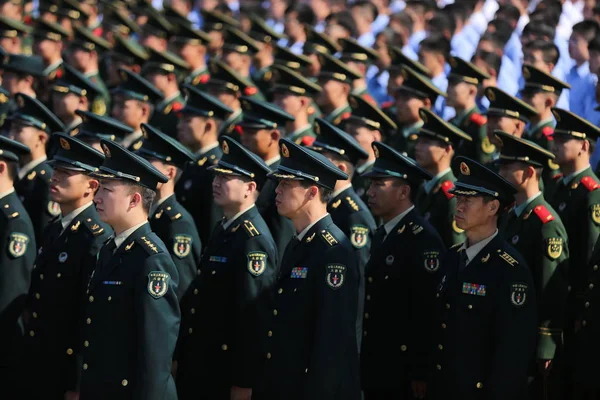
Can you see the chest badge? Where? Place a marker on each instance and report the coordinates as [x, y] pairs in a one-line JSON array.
[[432, 261], [515, 239], [257, 262], [187, 184], [182, 245], [62, 257], [299, 273], [518, 294], [359, 236], [158, 283], [562, 206], [336, 274], [389, 260]]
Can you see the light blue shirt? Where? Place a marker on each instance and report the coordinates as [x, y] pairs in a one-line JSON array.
[[462, 46], [508, 78], [513, 49], [582, 97], [440, 108], [415, 40], [380, 23], [367, 39]]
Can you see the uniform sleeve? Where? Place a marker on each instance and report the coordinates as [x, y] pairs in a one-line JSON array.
[[552, 289], [157, 325], [515, 332], [427, 270], [593, 225], [255, 275], [334, 340]]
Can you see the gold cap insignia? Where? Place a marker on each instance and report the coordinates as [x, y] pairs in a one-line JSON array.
[[464, 169], [490, 95], [317, 128], [353, 102], [556, 115], [64, 144], [423, 116], [526, 73], [106, 150], [284, 151], [225, 147], [376, 150]]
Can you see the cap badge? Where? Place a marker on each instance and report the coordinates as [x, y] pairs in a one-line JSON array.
[[423, 116], [464, 169], [65, 144], [353, 102], [526, 73], [490, 95], [106, 150], [20, 101], [317, 128], [225, 147], [284, 151], [376, 151]]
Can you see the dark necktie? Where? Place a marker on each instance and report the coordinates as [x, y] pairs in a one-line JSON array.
[[378, 239], [53, 232], [462, 260]]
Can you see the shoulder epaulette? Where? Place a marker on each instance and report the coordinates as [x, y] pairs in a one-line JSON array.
[[148, 245], [456, 246], [507, 258], [251, 229], [446, 186], [177, 106], [589, 183], [558, 176], [352, 203], [543, 214], [478, 119], [328, 237], [367, 97], [307, 140], [387, 104], [548, 131], [416, 228], [202, 78], [93, 226], [9, 211], [172, 213], [250, 90], [202, 161]]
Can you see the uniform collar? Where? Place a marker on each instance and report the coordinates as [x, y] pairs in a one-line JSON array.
[[472, 251], [24, 170], [301, 235], [273, 160], [67, 219], [412, 128], [91, 73], [122, 237], [132, 137], [568, 179], [207, 148], [292, 136], [337, 192], [430, 184], [522, 207], [52, 67], [389, 226], [364, 167], [161, 201], [4, 194], [230, 221], [233, 115]]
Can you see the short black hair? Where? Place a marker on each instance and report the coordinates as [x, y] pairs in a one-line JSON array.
[[345, 20], [404, 19], [148, 195], [495, 40], [503, 30], [440, 23], [324, 193], [366, 6], [594, 44], [510, 12], [493, 60], [588, 29], [550, 52], [306, 15], [436, 43], [459, 12], [539, 29]]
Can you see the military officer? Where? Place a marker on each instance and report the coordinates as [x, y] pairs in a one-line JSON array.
[[402, 274], [317, 43], [464, 83], [435, 149], [17, 257], [85, 52], [164, 70], [127, 54], [218, 347], [360, 58], [172, 223], [21, 74], [486, 300], [191, 45], [398, 60], [214, 23], [310, 343], [94, 128], [296, 62], [506, 113], [70, 93], [541, 91], [13, 36], [32, 124], [577, 202], [156, 30], [68, 249], [261, 126], [131, 298], [335, 78], [265, 38], [533, 226], [198, 130], [348, 211], [367, 124], [133, 104], [294, 94], [48, 43]]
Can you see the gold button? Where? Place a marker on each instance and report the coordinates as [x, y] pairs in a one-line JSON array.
[[306, 371], [37, 296], [366, 315], [224, 347], [270, 333], [275, 312], [470, 306], [109, 298], [365, 333], [368, 297], [386, 277], [584, 322], [35, 315], [437, 295], [124, 382], [587, 304], [403, 347], [280, 291], [479, 385], [443, 326], [91, 299], [213, 272], [88, 321], [439, 367], [440, 347], [70, 352], [198, 272], [595, 268], [193, 311], [32, 333], [58, 275], [591, 286], [86, 343], [195, 291], [190, 330], [448, 306], [41, 277], [85, 367], [569, 288], [370, 279], [269, 356]]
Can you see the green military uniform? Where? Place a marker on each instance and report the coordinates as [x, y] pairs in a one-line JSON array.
[[12, 28], [22, 65], [334, 69], [486, 306], [402, 275], [46, 30], [310, 344], [405, 138], [132, 288], [353, 52], [94, 128], [237, 41], [127, 52], [67, 254], [5, 105], [17, 257], [156, 25], [33, 184], [434, 200], [348, 211], [265, 36], [172, 223], [194, 188], [538, 234], [221, 324], [198, 77]]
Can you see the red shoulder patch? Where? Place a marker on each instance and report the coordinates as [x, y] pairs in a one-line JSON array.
[[548, 131], [478, 119], [346, 115], [28, 19], [589, 183], [98, 31], [557, 176], [204, 78], [307, 140], [446, 187], [543, 214], [250, 91], [239, 130], [368, 98], [177, 106], [387, 104]]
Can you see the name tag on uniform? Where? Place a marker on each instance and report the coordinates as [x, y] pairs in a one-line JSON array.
[[473, 288], [217, 259], [117, 283], [299, 273]]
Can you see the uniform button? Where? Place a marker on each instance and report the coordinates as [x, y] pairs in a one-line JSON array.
[[35, 315], [270, 333], [584, 322], [85, 367], [306, 371], [365, 334], [58, 275], [268, 356], [198, 272], [213, 272], [437, 295], [440, 347], [386, 277], [591, 286], [32, 333], [70, 352], [88, 321], [368, 297], [41, 277], [109, 298], [124, 382], [86, 343], [275, 312], [190, 331], [224, 347], [370, 279], [193, 311], [37, 296], [569, 288], [91, 299], [595, 268], [443, 326], [195, 291], [587, 304], [366, 315], [439, 367], [280, 291], [403, 347], [479, 385], [448, 306], [470, 306]]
